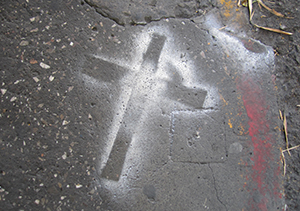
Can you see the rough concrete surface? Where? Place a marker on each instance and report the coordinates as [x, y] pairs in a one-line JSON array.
[[143, 12], [146, 105]]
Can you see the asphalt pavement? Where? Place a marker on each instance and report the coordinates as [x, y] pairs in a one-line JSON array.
[[136, 105]]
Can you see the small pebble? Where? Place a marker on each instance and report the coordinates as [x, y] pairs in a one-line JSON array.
[[70, 88], [34, 30], [24, 43], [36, 79], [64, 156], [33, 61], [78, 186], [65, 122], [13, 99], [59, 184], [282, 27], [17, 81], [3, 91], [45, 66]]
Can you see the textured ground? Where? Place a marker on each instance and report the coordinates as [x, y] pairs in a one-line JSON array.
[[49, 124]]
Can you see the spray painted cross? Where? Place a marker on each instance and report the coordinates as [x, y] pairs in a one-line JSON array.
[[144, 86]]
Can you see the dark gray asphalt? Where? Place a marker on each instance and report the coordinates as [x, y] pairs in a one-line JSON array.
[[156, 109]]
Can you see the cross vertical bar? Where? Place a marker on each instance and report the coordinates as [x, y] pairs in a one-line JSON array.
[[134, 110]]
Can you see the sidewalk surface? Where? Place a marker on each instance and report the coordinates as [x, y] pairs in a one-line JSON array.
[[149, 106]]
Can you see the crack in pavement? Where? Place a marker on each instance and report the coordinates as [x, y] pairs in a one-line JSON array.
[[201, 163], [104, 15], [132, 22], [104, 11], [217, 195]]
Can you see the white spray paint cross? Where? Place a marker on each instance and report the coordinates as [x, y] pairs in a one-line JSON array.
[[145, 84]]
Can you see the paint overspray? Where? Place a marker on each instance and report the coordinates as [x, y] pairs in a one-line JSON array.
[[249, 83], [167, 59]]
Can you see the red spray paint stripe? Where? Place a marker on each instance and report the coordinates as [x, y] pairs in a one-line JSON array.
[[256, 108]]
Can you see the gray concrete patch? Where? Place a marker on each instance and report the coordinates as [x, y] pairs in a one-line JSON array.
[[197, 137], [178, 137]]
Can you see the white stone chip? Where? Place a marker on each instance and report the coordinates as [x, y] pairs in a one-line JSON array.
[[37, 201], [203, 54], [51, 78], [24, 43], [13, 99], [65, 122], [3, 91], [45, 66], [34, 30], [70, 88], [36, 79], [64, 156], [17, 81], [78, 186]]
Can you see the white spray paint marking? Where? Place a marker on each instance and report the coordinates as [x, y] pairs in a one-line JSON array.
[[126, 83], [170, 54], [235, 48], [185, 69]]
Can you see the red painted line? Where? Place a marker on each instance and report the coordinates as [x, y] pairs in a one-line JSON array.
[[264, 181]]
